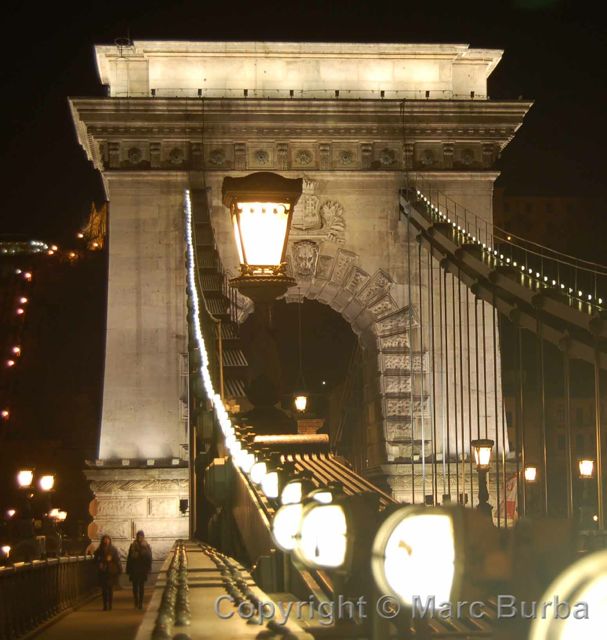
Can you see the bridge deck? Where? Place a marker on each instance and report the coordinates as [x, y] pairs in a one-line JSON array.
[[90, 622]]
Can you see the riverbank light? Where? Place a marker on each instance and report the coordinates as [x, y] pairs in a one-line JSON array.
[[25, 478], [46, 482], [261, 208]]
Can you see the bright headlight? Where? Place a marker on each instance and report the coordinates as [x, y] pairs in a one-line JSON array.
[[414, 555], [322, 540]]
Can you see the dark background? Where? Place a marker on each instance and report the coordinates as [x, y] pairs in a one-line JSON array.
[[555, 54]]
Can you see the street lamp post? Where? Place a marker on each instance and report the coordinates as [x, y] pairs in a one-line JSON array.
[[482, 456], [586, 473], [530, 477]]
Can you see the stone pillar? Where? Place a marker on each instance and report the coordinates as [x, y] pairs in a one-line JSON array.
[[144, 420], [127, 500]]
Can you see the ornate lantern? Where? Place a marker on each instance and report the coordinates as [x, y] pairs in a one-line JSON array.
[[261, 207]]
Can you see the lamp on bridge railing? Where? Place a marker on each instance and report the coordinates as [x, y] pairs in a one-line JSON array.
[[261, 207], [337, 535], [482, 449], [429, 552], [287, 520]]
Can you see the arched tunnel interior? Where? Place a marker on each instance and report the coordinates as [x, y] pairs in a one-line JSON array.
[[328, 367]]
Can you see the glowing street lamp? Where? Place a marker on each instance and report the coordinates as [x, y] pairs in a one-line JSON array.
[[586, 468], [46, 482], [25, 477], [530, 473], [301, 402], [482, 448], [6, 550], [10, 513], [586, 509], [261, 207]]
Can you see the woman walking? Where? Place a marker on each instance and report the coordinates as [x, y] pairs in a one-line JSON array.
[[138, 566], [108, 568]]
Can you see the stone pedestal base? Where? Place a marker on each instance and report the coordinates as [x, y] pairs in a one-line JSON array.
[[127, 500]]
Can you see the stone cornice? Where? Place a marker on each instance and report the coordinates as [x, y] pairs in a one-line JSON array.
[[293, 134]]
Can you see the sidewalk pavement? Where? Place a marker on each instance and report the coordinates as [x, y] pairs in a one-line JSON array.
[[90, 622]]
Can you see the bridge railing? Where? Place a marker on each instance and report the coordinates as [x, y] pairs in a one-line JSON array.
[[584, 283], [33, 592]]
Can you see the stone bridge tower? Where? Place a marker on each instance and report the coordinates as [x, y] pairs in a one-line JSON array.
[[352, 120]]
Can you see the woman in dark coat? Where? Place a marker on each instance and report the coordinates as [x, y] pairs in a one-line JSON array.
[[138, 566], [109, 568]]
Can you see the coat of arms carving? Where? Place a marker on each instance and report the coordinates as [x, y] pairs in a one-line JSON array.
[[316, 218]]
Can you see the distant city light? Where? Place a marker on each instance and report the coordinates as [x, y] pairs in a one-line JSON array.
[[47, 482], [27, 275], [54, 247], [20, 311], [10, 363], [80, 235], [5, 414], [25, 478], [17, 351], [23, 300]]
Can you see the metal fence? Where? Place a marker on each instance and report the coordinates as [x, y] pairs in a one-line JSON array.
[[33, 592]]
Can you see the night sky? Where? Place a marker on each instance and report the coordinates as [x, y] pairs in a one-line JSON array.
[[555, 54]]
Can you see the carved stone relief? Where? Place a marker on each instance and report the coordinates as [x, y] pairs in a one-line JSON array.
[[317, 219], [305, 256]]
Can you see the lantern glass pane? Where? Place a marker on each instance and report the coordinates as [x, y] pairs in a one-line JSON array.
[[285, 526], [237, 238], [269, 484], [530, 474], [263, 228], [292, 493], [301, 402], [420, 558], [323, 536]]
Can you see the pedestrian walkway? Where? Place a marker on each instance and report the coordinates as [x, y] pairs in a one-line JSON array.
[[90, 622]]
